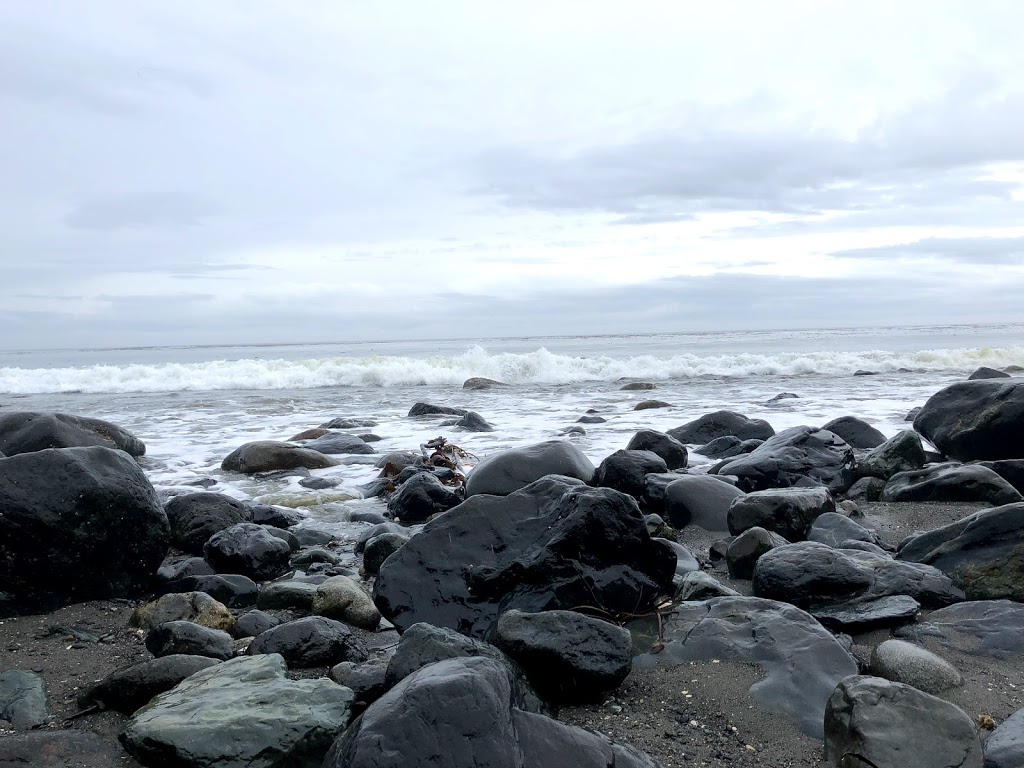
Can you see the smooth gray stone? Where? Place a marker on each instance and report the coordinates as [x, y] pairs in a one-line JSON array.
[[243, 713], [951, 482], [865, 615], [23, 700], [802, 661], [979, 627], [904, 662], [698, 585], [870, 721], [700, 500], [31, 431], [833, 529], [721, 424], [286, 594], [313, 641], [339, 443], [507, 471], [856, 432], [672, 452], [1005, 747], [745, 550], [269, 455]]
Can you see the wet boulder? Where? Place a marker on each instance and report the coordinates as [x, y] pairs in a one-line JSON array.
[[314, 641], [1005, 747], [427, 409], [672, 452], [747, 548], [951, 482], [187, 638], [800, 456], [857, 433], [65, 510], [473, 422], [626, 471], [130, 688], [988, 373], [421, 497], [28, 431], [701, 500], [722, 424], [507, 471], [338, 443], [551, 545], [268, 456], [789, 512], [1011, 470], [835, 530], [902, 453], [195, 517], [976, 420], [250, 550]]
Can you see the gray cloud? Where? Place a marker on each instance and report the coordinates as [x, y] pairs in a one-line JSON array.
[[969, 250], [159, 210]]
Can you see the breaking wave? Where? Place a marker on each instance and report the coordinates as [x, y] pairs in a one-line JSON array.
[[539, 367]]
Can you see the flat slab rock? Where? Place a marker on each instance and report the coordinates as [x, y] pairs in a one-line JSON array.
[[243, 713], [980, 627], [802, 661]]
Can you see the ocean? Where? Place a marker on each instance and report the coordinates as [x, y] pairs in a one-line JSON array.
[[193, 405]]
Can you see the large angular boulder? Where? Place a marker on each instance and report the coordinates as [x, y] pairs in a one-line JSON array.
[[701, 500], [901, 453], [195, 517], [28, 431], [421, 497], [789, 512], [721, 424], [243, 713], [874, 722], [553, 544], [626, 471], [672, 452], [950, 482], [982, 553], [460, 713], [507, 471], [130, 688], [311, 642], [250, 550], [857, 433], [269, 456], [809, 573], [800, 456], [976, 420], [802, 661], [568, 657], [78, 524]]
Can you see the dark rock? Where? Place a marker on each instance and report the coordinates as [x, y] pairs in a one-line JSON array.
[[901, 453], [421, 497], [203, 482], [474, 422], [348, 423], [315, 555], [380, 548], [342, 599], [64, 511], [573, 430], [951, 482], [721, 424], [979, 627], [481, 382], [700, 500], [745, 550], [809, 573], [460, 713], [23, 699], [866, 489], [254, 623], [366, 681], [865, 373], [59, 749], [29, 431], [626, 471], [789, 512], [874, 722], [369, 437], [376, 530], [426, 409], [685, 561], [638, 386], [313, 537], [282, 474], [802, 661], [1011, 470], [314, 641], [855, 432], [319, 483], [650, 405], [1005, 747], [982, 552], [568, 657], [721, 448], [867, 615], [591, 420], [195, 517], [264, 514], [976, 420], [130, 688], [192, 566], [399, 459], [550, 545], [233, 590], [719, 549], [244, 712], [184, 637], [339, 443], [783, 396], [987, 373], [906, 663], [507, 471], [286, 536], [912, 413], [698, 585], [286, 595], [672, 452], [801, 456], [250, 550], [834, 530], [268, 455], [309, 434]]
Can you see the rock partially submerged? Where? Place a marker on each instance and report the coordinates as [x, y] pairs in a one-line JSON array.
[[507, 471], [28, 431], [722, 424], [268, 455]]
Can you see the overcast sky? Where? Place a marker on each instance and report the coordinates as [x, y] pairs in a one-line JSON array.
[[245, 172]]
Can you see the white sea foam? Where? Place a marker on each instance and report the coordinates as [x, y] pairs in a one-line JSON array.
[[538, 367]]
